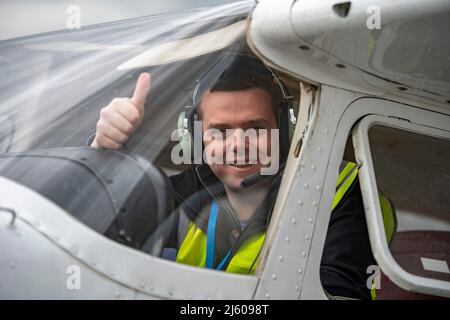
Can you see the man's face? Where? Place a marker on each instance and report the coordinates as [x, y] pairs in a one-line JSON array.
[[237, 111]]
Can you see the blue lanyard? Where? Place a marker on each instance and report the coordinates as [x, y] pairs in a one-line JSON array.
[[210, 238]]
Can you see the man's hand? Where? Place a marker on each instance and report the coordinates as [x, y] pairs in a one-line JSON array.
[[122, 116]]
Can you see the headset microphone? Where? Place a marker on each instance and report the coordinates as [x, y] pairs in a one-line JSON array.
[[257, 177]]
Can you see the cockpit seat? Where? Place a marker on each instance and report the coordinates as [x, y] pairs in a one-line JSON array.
[[409, 249]]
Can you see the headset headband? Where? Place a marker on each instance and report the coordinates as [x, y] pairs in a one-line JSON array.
[[240, 64], [285, 118]]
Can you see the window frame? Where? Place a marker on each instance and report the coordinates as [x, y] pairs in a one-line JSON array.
[[340, 110], [379, 243]]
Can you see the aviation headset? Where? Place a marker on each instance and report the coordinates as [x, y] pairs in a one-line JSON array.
[[286, 119]]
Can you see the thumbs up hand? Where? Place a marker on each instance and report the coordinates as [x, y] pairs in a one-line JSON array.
[[122, 116]]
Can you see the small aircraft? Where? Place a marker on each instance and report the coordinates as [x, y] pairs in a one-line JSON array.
[[369, 83]]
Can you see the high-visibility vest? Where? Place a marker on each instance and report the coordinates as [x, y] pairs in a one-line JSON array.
[[193, 247]]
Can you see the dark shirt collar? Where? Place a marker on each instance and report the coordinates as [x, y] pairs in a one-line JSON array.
[[229, 235], [212, 188]]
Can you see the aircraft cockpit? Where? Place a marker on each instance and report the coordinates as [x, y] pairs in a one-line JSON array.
[[187, 156]]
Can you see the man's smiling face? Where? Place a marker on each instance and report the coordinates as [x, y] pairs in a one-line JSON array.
[[237, 111]]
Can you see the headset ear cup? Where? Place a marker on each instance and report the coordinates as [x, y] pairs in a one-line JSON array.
[[195, 134], [291, 130], [184, 135], [190, 120], [293, 112], [284, 134]]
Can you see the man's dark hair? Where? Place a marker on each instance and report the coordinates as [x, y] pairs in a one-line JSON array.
[[245, 73]]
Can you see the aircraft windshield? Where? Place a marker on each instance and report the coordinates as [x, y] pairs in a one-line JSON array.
[[215, 123]]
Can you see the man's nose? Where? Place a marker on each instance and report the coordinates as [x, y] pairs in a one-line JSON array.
[[239, 141]]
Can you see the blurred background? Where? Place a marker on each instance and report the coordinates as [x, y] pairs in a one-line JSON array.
[[26, 17]]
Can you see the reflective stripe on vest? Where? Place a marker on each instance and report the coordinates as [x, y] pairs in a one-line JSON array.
[[193, 251], [343, 189], [387, 207], [193, 248]]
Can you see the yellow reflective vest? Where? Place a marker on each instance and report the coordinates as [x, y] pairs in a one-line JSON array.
[[193, 247]]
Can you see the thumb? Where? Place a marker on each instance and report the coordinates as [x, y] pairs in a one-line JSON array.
[[141, 90]]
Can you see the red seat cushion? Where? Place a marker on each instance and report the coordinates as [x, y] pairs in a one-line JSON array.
[[407, 248]]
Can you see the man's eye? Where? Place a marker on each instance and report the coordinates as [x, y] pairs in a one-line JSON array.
[[259, 130], [225, 131]]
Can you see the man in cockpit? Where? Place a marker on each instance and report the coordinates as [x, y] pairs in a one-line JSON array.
[[222, 222]]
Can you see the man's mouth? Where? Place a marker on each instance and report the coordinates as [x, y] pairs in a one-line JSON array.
[[241, 165]]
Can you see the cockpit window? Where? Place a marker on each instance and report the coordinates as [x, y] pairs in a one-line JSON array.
[[413, 170], [196, 178]]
